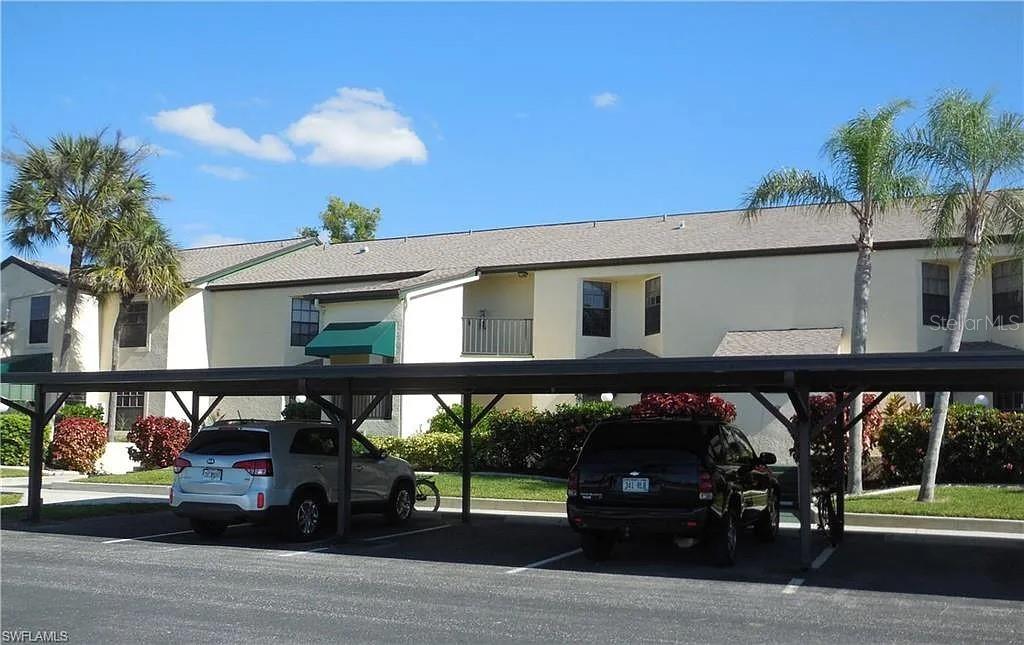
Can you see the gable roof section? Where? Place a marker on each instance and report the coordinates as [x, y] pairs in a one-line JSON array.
[[206, 263], [780, 342], [392, 287], [779, 231], [50, 272]]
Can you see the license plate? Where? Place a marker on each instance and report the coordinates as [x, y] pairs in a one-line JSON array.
[[635, 484], [212, 474]]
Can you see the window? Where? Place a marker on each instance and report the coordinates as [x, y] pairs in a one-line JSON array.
[[739, 449], [229, 442], [305, 321], [134, 324], [316, 441], [935, 293], [652, 306], [361, 401], [597, 308], [39, 320], [1008, 401], [1008, 292], [130, 406]]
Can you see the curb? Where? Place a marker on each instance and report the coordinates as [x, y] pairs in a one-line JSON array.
[[880, 520], [872, 520], [148, 489]]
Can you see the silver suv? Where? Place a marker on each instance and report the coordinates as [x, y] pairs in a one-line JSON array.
[[285, 472]]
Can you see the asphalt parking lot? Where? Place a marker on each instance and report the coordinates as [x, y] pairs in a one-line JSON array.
[[146, 578]]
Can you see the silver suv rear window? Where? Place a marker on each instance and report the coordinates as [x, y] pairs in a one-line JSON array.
[[229, 442]]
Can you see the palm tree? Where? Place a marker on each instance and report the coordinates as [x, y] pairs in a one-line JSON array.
[[68, 190], [869, 178], [134, 256], [967, 149]]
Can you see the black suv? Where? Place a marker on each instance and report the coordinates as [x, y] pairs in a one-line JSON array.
[[688, 478]]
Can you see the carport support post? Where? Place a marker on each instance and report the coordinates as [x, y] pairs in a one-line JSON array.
[[467, 452], [35, 456], [803, 429]]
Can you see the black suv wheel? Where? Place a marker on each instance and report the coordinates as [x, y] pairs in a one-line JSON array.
[[723, 540]]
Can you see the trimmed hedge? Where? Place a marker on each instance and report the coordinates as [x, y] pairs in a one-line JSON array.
[[78, 444], [81, 411], [15, 434], [980, 445], [158, 440], [305, 411]]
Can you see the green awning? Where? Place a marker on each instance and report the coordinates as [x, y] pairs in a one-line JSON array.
[[354, 338], [27, 363], [23, 363]]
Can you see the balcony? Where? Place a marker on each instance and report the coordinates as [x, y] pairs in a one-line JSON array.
[[497, 336]]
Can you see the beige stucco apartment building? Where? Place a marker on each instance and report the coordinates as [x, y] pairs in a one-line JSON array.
[[679, 285]]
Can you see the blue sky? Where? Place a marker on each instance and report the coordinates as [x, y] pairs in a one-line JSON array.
[[462, 116]]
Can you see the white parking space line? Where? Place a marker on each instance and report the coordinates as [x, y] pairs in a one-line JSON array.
[[541, 563], [156, 535], [394, 535], [793, 585], [145, 537], [822, 557], [291, 553]]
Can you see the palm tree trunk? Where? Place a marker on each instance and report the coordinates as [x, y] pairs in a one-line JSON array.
[[114, 345], [858, 345], [70, 306], [961, 302]]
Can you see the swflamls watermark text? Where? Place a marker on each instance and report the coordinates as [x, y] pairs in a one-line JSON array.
[[34, 636]]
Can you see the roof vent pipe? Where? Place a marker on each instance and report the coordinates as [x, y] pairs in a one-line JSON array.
[[363, 249]]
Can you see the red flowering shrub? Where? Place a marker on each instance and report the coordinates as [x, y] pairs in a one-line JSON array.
[[158, 440], [78, 444], [684, 404], [825, 445]]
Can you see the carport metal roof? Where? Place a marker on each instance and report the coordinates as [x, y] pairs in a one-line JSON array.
[[796, 376], [976, 371]]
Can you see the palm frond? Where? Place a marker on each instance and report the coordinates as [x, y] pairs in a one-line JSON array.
[[791, 187]]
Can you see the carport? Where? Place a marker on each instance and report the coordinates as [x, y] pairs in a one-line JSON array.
[[795, 376]]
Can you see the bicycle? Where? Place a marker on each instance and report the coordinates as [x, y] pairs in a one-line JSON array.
[[828, 519], [427, 494]]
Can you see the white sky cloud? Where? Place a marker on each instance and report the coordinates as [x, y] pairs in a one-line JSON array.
[[215, 239], [134, 143], [230, 173], [357, 127], [605, 100], [197, 123]]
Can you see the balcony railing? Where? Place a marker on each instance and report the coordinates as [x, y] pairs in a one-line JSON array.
[[497, 336]]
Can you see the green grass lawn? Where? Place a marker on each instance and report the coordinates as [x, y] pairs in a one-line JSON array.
[[76, 511], [998, 502], [161, 476], [6, 499], [450, 484], [502, 487], [13, 472]]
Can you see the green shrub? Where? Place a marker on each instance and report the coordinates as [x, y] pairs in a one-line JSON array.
[[81, 411], [434, 451], [305, 411], [980, 445], [15, 434], [394, 446], [443, 422]]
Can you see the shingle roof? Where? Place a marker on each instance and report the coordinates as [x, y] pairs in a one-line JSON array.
[[206, 261], [779, 230], [625, 352], [391, 287], [51, 272], [779, 342]]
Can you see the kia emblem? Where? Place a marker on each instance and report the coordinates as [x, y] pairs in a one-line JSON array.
[[634, 473], [211, 460]]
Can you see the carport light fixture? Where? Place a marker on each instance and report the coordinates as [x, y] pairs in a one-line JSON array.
[[607, 397], [300, 398]]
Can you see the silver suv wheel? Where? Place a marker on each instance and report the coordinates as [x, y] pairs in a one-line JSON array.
[[307, 517], [403, 504]]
